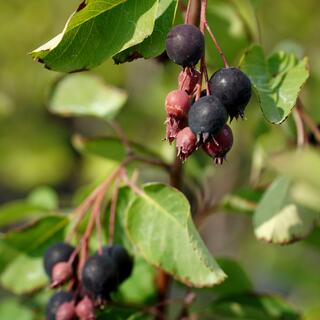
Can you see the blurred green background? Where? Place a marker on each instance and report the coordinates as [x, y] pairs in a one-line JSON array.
[[36, 149]]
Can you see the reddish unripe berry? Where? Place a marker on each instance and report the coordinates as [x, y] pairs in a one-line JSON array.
[[61, 273], [188, 79], [173, 127], [66, 311], [177, 104], [186, 143], [85, 309], [218, 146]]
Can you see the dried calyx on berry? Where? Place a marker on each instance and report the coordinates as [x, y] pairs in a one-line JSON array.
[[56, 262], [218, 146], [186, 143], [55, 302], [85, 309], [188, 80], [122, 260], [177, 107], [185, 45], [233, 88], [207, 116], [99, 276]]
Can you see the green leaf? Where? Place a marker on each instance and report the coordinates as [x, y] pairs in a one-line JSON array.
[[278, 219], [154, 45], [247, 13], [12, 309], [24, 273], [140, 287], [300, 165], [160, 225], [17, 211], [96, 31], [108, 147], [253, 307], [45, 197], [237, 281], [277, 80], [86, 95]]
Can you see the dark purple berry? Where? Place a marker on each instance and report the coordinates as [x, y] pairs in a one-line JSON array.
[[207, 116], [186, 143], [185, 45], [59, 252], [177, 104], [61, 273], [233, 88], [123, 261], [188, 80], [99, 276], [85, 309], [55, 302], [218, 146], [66, 311]]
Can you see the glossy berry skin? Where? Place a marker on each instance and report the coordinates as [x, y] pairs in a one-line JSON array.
[[123, 261], [188, 79], [218, 146], [55, 302], [233, 88], [85, 309], [59, 252], [185, 45], [177, 104], [99, 276], [66, 311], [207, 116], [186, 143]]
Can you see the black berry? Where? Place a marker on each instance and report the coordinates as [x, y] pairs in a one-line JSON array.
[[185, 45], [99, 276], [186, 143], [218, 146], [55, 302], [123, 261], [207, 116], [59, 252], [233, 88]]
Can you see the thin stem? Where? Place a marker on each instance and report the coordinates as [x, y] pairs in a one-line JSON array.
[[301, 133], [224, 59], [113, 210], [308, 120], [122, 136]]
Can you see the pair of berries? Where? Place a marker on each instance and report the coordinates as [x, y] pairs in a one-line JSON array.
[[100, 276], [203, 122]]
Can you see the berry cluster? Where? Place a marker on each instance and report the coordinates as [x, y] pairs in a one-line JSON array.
[[90, 285], [198, 118]]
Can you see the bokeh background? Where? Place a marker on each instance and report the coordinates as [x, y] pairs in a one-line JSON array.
[[36, 149]]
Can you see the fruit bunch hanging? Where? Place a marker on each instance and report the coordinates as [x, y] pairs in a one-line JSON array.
[[195, 117], [90, 280]]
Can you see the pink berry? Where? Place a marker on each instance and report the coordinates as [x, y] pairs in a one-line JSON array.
[[66, 311], [188, 79], [186, 143], [218, 146], [177, 104], [61, 273], [85, 309], [173, 127]]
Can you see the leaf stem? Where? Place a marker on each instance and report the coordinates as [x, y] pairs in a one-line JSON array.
[[113, 208]]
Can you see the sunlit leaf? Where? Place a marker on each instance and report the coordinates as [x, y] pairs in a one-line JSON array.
[[159, 224]]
